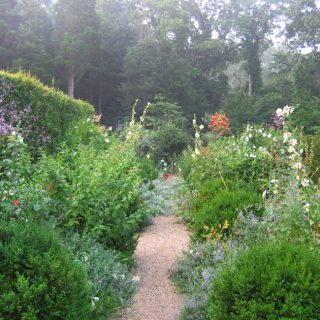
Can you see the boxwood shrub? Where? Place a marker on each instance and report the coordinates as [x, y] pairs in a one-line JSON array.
[[38, 277], [268, 282], [215, 203]]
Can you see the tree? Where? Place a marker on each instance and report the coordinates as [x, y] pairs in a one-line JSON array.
[[303, 23], [34, 40], [245, 25], [117, 34], [9, 23], [154, 67], [76, 37]]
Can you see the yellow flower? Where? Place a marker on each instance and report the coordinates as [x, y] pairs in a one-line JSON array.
[[226, 224]]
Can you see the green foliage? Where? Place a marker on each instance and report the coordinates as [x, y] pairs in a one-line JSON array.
[[273, 281], [193, 275], [154, 67], [167, 142], [20, 197], [55, 111], [38, 277], [111, 283], [162, 112], [95, 193], [313, 157], [76, 37], [215, 204]]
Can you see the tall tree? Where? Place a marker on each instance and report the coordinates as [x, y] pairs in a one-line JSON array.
[[34, 40], [246, 24], [9, 23], [101, 84], [76, 36], [303, 23]]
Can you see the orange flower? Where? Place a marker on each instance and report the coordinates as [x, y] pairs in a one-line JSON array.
[[16, 202], [220, 124]]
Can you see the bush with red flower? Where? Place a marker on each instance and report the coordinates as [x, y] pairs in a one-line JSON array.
[[219, 124]]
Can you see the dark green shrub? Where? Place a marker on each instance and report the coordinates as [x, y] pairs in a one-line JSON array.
[[167, 142], [38, 277], [268, 282], [54, 110], [215, 204]]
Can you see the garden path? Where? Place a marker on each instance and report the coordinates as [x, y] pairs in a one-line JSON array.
[[158, 248]]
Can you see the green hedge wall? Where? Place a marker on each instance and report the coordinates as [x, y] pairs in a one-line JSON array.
[[55, 111]]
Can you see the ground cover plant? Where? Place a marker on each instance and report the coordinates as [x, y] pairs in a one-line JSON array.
[[275, 161]]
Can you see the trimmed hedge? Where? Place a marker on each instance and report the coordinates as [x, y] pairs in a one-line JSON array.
[[54, 110]]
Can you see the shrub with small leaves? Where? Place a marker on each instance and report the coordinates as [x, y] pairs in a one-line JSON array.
[[272, 281], [38, 277]]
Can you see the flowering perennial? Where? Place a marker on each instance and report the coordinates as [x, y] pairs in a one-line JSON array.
[[220, 124]]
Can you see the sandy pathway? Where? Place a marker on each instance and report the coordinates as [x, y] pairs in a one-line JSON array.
[[158, 248]]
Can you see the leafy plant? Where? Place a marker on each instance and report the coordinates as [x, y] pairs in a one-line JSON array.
[[111, 282], [38, 277], [216, 206], [273, 281]]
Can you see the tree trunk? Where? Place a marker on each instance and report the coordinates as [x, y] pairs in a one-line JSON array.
[[71, 76], [100, 102], [250, 89]]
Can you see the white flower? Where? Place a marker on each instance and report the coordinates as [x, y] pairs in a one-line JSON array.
[[197, 135], [136, 278], [264, 194], [293, 142], [287, 110], [110, 128], [162, 161], [286, 136], [298, 178], [107, 140], [291, 149], [90, 130], [13, 133], [88, 120], [194, 121], [274, 181], [292, 156], [306, 207], [305, 182], [301, 151], [297, 166], [279, 112], [252, 156], [201, 127]]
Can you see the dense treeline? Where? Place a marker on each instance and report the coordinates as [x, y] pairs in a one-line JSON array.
[[203, 55]]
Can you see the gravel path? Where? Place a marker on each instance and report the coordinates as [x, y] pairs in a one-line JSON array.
[[158, 248]]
